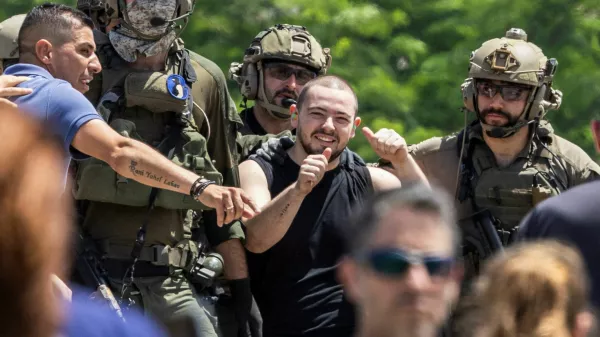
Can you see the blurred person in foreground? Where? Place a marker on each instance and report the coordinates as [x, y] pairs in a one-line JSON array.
[[30, 187], [402, 272], [573, 218], [534, 290]]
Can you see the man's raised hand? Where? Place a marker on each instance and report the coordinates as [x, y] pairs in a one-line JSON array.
[[312, 170], [8, 88], [388, 145]]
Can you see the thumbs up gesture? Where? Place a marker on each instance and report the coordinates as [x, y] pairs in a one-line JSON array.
[[388, 145], [312, 170]]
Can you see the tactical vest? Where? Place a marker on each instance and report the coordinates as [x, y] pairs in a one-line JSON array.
[[509, 193], [139, 106]]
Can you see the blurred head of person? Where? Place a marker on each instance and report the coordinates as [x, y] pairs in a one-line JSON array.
[[59, 39], [401, 271], [535, 289], [9, 49], [34, 216]]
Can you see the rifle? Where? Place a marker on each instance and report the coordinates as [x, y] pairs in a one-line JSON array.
[[90, 269], [483, 220]]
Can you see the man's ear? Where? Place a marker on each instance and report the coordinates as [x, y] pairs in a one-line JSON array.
[[355, 125], [347, 276], [294, 115], [43, 51]]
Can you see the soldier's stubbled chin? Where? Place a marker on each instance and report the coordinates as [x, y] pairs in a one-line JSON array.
[[510, 119]]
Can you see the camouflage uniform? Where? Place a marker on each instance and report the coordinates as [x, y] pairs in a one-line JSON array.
[[546, 166], [9, 49], [198, 133]]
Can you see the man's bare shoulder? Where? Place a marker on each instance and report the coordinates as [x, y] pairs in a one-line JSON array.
[[382, 179], [251, 167]]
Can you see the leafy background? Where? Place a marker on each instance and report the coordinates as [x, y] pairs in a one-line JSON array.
[[406, 59]]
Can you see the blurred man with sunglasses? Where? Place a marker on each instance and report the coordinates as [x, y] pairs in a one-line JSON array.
[[276, 66], [508, 159], [401, 270]]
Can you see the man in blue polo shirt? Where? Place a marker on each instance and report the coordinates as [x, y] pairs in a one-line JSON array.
[[56, 52]]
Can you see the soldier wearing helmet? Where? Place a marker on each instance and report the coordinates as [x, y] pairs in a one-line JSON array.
[[508, 159], [276, 66], [154, 89], [9, 32]]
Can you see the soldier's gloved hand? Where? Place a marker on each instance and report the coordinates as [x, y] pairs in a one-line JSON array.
[[275, 149], [242, 306], [255, 320]]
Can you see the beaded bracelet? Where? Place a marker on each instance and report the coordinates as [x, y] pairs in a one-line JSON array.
[[199, 186]]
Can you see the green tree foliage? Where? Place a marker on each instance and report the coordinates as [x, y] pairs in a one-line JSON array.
[[407, 58]]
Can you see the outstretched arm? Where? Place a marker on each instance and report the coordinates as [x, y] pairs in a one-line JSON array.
[[138, 161]]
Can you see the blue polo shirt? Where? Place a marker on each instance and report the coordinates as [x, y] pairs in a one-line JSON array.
[[85, 318], [55, 103]]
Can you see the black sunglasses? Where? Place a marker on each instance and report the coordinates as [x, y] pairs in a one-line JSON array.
[[282, 72], [508, 92], [395, 262]]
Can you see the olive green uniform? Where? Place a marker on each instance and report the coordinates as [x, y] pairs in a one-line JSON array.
[[509, 192], [116, 207]]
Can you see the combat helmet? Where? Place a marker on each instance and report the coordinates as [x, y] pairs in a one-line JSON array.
[[103, 11], [283, 42], [9, 33], [513, 59]]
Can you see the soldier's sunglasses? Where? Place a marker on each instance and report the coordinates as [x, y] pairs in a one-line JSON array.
[[508, 92], [395, 262], [282, 72]]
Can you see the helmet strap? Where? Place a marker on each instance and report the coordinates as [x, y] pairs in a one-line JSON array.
[[274, 110]]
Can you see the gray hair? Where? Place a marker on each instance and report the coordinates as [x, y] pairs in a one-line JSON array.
[[417, 196]]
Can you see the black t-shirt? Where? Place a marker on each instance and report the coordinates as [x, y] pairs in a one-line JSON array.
[[251, 124], [574, 217], [294, 282]]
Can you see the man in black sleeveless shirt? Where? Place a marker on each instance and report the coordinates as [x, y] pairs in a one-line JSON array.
[[295, 243]]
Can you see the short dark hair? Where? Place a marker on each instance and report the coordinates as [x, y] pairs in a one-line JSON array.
[[54, 22], [327, 81], [415, 196]]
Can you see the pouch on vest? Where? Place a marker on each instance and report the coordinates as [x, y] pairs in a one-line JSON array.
[[149, 91], [510, 193], [97, 181]]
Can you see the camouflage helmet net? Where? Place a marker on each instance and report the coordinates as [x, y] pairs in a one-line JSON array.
[[290, 44], [515, 60], [102, 11]]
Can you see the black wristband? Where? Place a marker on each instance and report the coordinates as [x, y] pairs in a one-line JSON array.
[[199, 186]]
